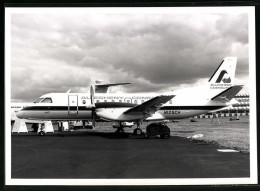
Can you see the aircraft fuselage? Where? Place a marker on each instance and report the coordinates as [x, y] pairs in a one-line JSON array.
[[77, 106]]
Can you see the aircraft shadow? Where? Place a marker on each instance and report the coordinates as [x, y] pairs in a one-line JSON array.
[[108, 135]]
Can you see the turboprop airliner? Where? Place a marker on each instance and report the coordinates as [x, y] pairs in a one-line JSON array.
[[185, 103]]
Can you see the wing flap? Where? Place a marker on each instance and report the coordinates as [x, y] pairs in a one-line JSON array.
[[228, 94], [150, 106]]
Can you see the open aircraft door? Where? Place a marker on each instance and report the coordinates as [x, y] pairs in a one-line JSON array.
[[73, 104]]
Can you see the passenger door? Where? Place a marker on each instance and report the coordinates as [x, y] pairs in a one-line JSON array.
[[73, 105]]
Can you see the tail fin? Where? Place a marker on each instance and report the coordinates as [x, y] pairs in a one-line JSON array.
[[223, 77], [227, 94]]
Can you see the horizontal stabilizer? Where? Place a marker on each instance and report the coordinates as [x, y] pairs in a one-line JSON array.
[[151, 106], [228, 94], [102, 88]]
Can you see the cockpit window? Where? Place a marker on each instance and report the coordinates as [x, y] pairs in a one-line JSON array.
[[38, 100], [47, 100]]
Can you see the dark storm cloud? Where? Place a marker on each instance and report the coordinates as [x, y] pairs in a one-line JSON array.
[[53, 53]]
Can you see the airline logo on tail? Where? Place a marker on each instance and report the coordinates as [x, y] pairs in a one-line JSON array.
[[224, 76]]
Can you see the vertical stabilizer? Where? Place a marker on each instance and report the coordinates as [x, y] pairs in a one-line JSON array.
[[224, 76]]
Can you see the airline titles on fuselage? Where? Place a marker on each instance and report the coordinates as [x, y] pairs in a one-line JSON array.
[[117, 97]]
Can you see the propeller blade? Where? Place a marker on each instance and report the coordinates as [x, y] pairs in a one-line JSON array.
[[92, 92], [93, 118]]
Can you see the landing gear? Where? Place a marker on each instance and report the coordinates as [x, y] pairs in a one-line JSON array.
[[41, 133], [138, 130], [120, 129]]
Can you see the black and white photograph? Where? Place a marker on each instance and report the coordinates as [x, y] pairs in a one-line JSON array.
[[130, 96]]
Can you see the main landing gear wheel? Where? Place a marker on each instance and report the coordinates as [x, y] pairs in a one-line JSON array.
[[137, 131]]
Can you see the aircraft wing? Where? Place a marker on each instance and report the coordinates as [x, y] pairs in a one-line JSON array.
[[228, 94], [150, 106]]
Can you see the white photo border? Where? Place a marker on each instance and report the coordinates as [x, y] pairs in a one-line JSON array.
[[253, 179]]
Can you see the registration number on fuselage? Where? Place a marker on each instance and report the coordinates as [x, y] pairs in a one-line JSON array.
[[172, 112]]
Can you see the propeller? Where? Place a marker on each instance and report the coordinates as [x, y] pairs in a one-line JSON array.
[[93, 108]]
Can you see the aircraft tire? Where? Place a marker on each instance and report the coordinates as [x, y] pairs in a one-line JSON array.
[[137, 131], [41, 133]]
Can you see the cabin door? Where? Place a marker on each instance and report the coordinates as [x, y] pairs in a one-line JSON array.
[[73, 104]]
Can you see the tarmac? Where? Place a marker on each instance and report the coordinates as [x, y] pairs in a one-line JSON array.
[[96, 155]]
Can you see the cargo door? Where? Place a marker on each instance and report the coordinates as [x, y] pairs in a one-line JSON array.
[[73, 104]]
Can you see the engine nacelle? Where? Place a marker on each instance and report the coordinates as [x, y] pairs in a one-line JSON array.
[[117, 114]]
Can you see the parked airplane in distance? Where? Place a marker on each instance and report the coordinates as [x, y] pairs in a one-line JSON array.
[[185, 103]]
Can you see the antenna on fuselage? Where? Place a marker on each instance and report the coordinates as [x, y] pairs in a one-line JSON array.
[[68, 91]]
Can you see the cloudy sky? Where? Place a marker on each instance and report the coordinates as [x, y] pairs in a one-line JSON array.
[[155, 52]]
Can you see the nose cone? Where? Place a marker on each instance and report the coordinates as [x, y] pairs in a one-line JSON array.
[[19, 114]]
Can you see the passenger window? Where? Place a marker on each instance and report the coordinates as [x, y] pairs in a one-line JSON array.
[[105, 101], [135, 101], [97, 101], [120, 100], [113, 100], [47, 100], [142, 101]]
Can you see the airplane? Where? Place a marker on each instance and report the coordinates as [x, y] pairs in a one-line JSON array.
[[189, 102]]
